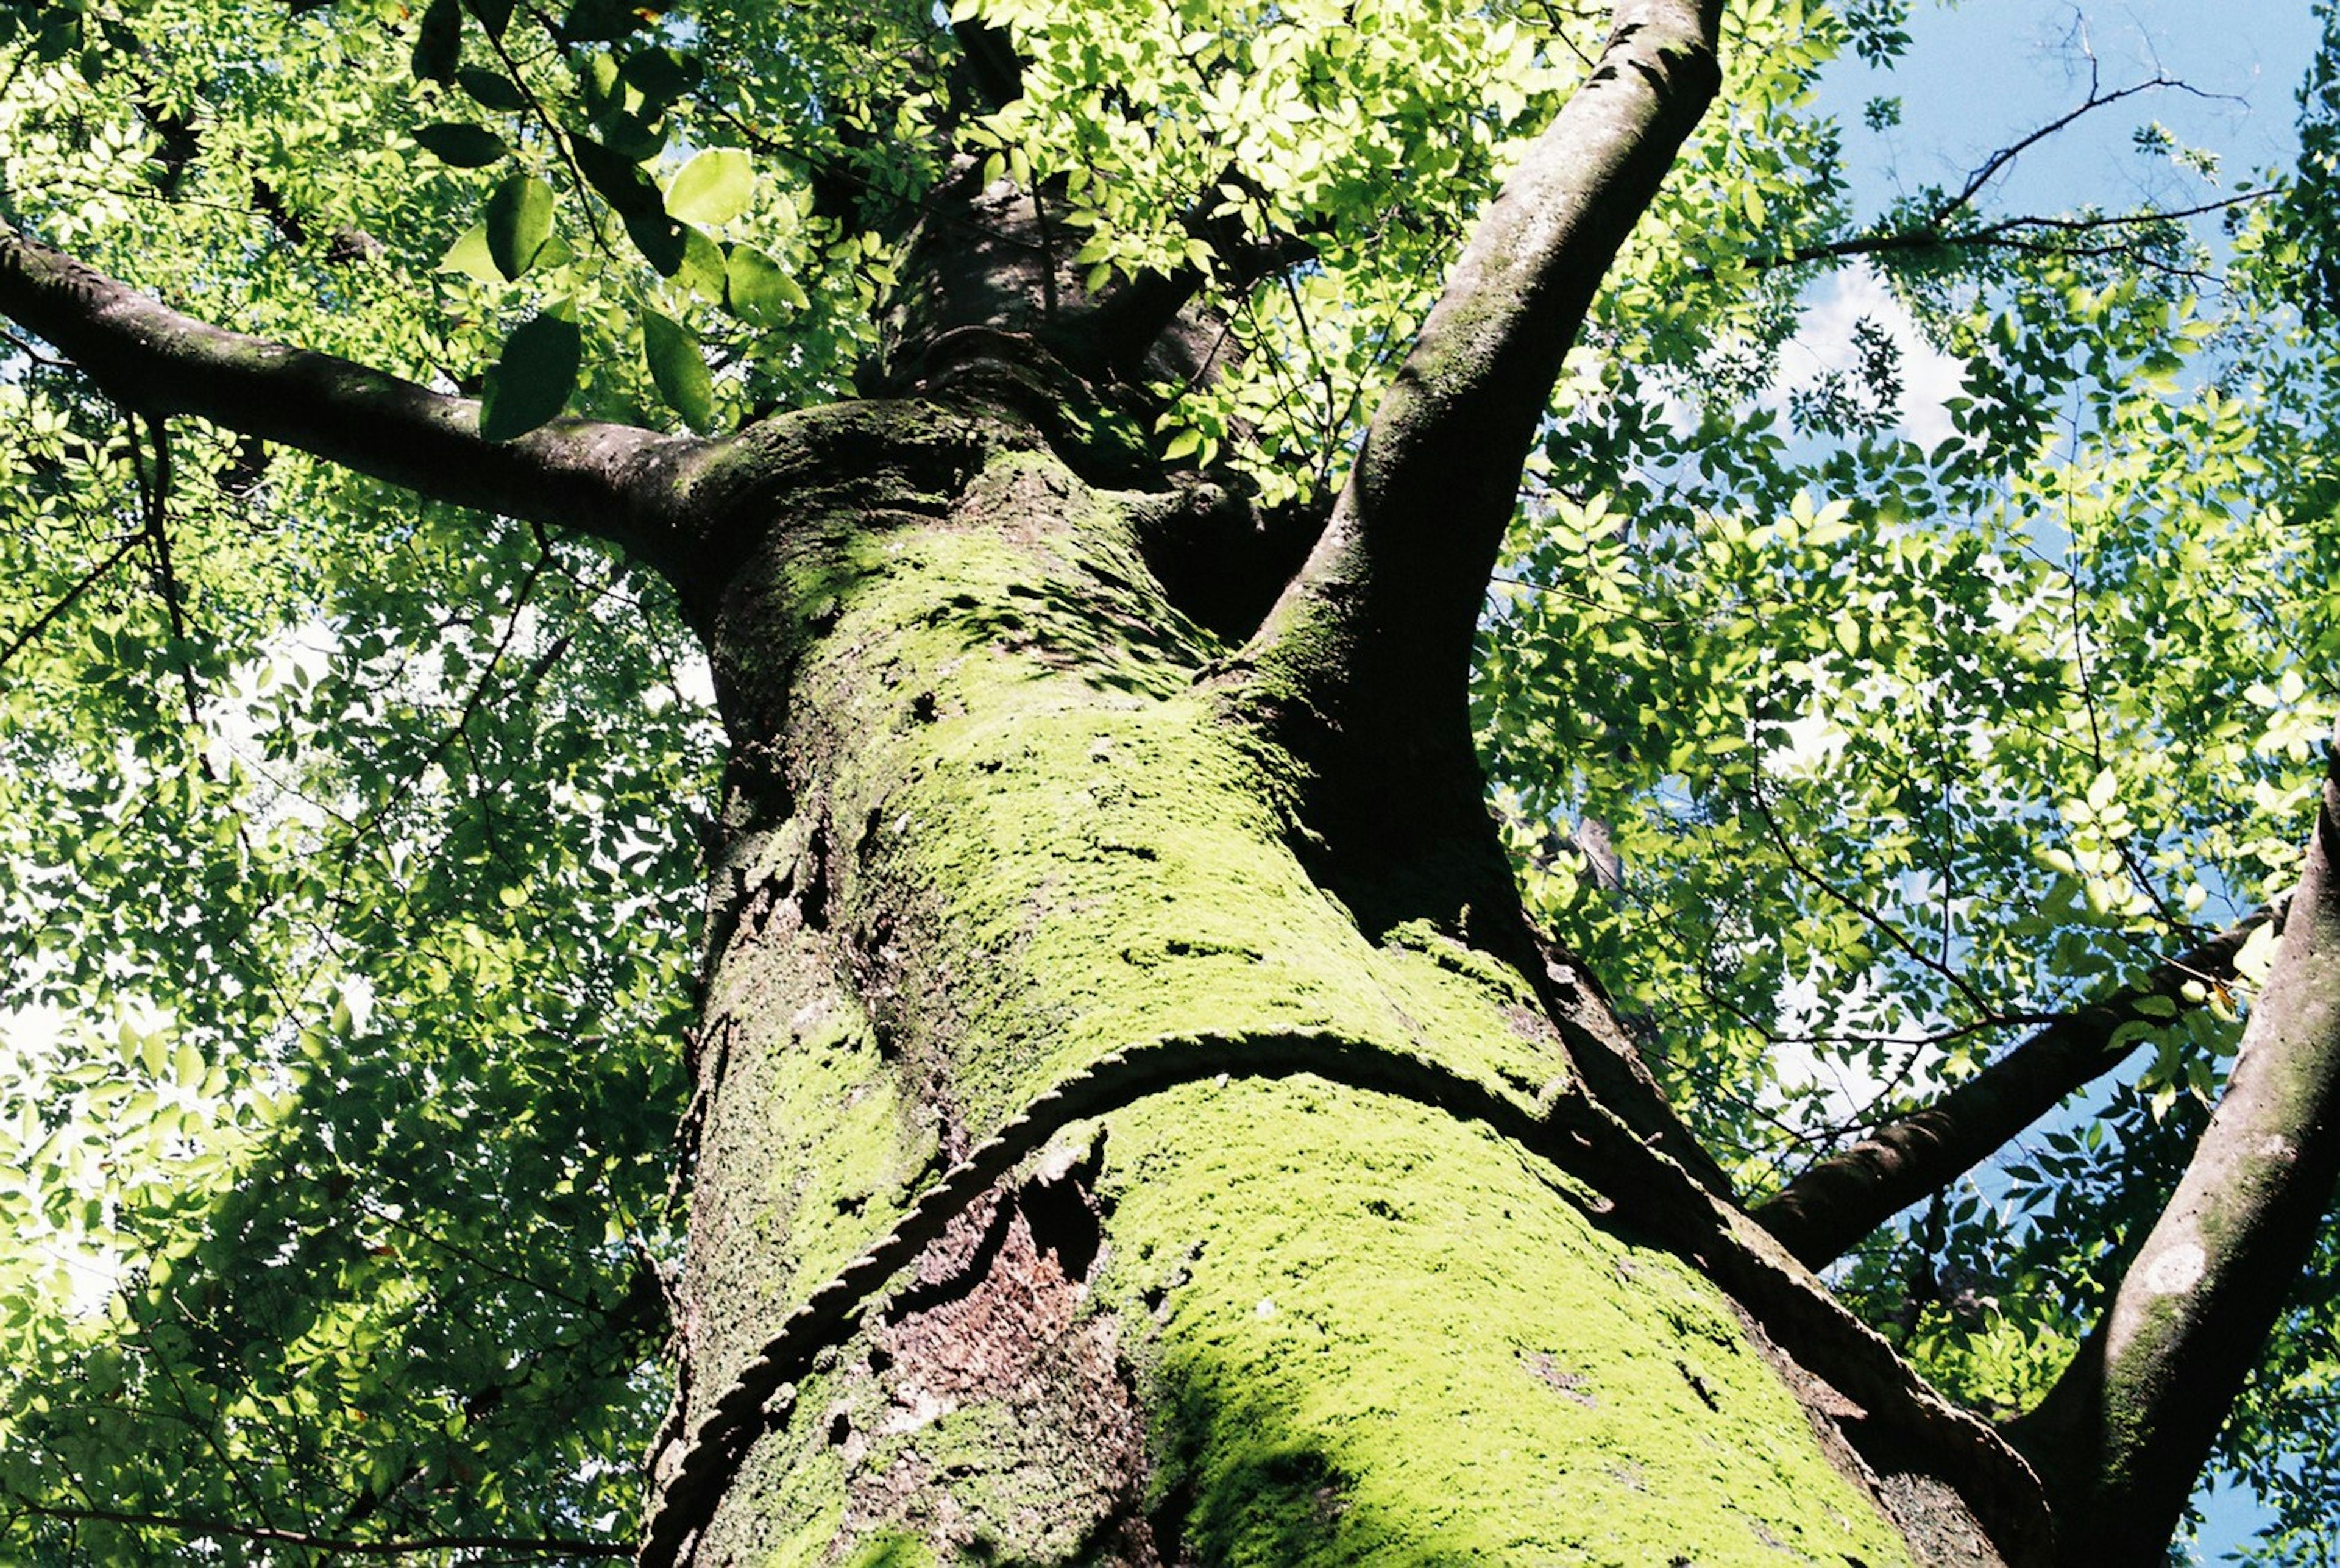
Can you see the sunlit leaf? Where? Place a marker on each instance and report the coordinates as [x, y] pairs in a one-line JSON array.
[[758, 290], [470, 255], [713, 188], [519, 221], [678, 369]]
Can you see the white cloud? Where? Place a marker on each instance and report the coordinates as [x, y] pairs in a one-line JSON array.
[[1824, 341]]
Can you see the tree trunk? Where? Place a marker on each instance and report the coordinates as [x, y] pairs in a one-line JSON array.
[[1270, 1270]]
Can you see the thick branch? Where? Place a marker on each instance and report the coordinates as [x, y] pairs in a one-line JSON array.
[[1837, 1202], [606, 479], [1369, 646], [2123, 1434]]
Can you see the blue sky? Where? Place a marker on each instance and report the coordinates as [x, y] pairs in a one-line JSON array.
[[1982, 75]]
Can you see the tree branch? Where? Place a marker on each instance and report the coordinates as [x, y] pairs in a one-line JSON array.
[[88, 581], [609, 480], [1132, 317], [2121, 1436], [2011, 233], [1830, 1206], [1362, 663]]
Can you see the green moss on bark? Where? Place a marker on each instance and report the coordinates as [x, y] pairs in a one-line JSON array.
[[1014, 837], [1365, 1334], [1392, 1339]]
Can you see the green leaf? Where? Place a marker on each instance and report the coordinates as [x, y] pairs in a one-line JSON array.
[[621, 183], [678, 369], [464, 146], [757, 291], [702, 268], [60, 31], [531, 383], [659, 239], [490, 89], [661, 75], [439, 41], [471, 256], [519, 221], [618, 178], [598, 79], [629, 135], [713, 187]]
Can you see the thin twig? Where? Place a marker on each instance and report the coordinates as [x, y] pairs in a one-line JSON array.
[[1878, 923], [89, 579]]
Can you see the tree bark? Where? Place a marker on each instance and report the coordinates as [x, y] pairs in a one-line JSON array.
[[1368, 653], [613, 481]]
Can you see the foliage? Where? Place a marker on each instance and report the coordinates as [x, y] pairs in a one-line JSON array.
[[353, 840], [1904, 747]]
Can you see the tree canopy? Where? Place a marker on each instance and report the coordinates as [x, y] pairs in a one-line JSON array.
[[354, 836]]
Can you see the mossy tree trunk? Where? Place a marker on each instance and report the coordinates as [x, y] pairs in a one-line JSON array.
[[1137, 1122], [997, 817]]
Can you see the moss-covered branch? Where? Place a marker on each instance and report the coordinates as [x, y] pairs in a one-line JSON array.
[[2123, 1434], [1842, 1199], [606, 479]]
